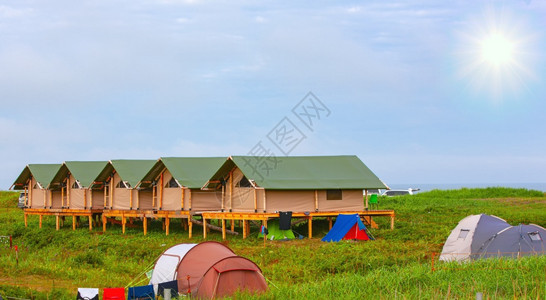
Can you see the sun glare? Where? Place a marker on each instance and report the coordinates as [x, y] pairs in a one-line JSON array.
[[497, 50]]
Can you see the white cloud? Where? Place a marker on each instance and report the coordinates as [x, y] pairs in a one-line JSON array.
[[10, 12]]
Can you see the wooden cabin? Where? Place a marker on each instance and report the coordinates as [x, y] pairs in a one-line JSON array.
[[35, 180], [178, 182], [122, 186]]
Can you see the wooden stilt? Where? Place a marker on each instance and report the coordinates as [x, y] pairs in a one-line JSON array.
[[392, 222], [204, 228], [73, 222], [244, 229], [57, 223], [232, 225], [329, 223], [224, 229], [366, 199], [190, 225], [103, 223], [26, 220], [40, 221], [167, 223], [145, 225], [247, 227], [123, 220], [184, 224], [90, 223], [310, 224]]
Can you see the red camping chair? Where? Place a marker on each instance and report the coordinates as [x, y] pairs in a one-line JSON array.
[[113, 294]]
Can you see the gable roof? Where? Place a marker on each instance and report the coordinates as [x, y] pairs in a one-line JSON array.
[[190, 172], [303, 172], [85, 172], [43, 173], [132, 170]]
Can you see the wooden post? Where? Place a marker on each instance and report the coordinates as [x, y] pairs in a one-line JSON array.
[[26, 220], [223, 196], [103, 223], [329, 223], [310, 225], [50, 198], [111, 198], [45, 198], [123, 224], [224, 229], [40, 221], [167, 224], [138, 199], [68, 191], [105, 195], [145, 225], [73, 222], [264, 201], [230, 191], [255, 200], [190, 227], [130, 199], [316, 200], [189, 199], [244, 229], [57, 223], [26, 194], [247, 228], [392, 222], [366, 198], [84, 198], [154, 193], [90, 198], [232, 224], [182, 200], [90, 222], [161, 192], [204, 228]]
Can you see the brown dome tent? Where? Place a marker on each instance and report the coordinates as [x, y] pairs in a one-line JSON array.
[[211, 269]]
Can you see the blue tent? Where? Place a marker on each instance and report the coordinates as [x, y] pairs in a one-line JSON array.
[[141, 292], [347, 227]]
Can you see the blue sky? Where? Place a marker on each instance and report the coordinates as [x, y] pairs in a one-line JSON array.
[[405, 83]]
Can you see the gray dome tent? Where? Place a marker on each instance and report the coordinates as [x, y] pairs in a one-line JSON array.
[[470, 235], [515, 241]]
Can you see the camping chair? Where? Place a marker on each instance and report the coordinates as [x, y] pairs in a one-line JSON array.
[[373, 201]]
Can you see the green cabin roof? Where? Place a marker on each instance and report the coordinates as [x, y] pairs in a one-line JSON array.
[[132, 170], [303, 172], [43, 173], [190, 172], [85, 172]]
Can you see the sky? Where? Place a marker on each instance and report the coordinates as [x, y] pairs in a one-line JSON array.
[[406, 86]]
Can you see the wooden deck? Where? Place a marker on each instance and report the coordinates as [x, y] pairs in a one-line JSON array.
[[244, 217]]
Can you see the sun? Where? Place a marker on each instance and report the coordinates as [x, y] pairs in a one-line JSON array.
[[497, 50]]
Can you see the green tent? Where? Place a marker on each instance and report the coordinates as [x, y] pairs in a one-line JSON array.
[[275, 233]]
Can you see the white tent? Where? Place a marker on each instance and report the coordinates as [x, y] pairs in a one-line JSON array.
[[167, 264], [470, 235]]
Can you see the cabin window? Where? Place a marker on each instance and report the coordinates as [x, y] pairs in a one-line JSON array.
[[244, 182], [535, 236], [172, 183], [76, 185], [463, 233], [123, 185], [333, 194]]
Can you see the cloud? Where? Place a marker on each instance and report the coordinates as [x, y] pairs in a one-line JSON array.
[[10, 12]]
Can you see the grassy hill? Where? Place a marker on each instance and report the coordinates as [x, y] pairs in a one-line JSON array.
[[52, 264]]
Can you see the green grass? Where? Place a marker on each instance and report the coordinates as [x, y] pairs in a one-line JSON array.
[[52, 264]]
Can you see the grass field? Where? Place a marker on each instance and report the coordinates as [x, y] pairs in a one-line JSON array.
[[397, 265]]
